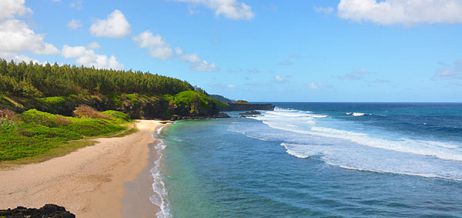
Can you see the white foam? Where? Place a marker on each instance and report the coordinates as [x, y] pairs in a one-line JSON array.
[[376, 160], [159, 130], [446, 151], [294, 152], [158, 186], [360, 147], [442, 150], [355, 114]]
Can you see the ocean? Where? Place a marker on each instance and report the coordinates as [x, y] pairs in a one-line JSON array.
[[316, 160]]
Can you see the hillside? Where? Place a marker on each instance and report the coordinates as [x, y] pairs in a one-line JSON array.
[[60, 89]]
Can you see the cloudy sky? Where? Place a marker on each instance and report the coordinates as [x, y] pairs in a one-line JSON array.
[[272, 50]]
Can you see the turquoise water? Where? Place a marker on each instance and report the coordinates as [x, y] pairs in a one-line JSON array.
[[318, 160]]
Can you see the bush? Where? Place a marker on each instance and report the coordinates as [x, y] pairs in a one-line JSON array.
[[7, 119], [7, 114], [85, 111], [144, 106], [93, 127], [242, 102], [117, 115], [44, 118], [192, 103]]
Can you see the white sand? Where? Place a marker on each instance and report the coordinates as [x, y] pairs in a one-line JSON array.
[[88, 182]]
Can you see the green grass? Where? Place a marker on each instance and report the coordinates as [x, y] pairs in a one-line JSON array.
[[38, 136]]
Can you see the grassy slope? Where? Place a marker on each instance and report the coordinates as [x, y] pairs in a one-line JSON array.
[[37, 136]]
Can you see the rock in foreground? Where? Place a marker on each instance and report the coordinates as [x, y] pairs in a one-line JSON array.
[[47, 211]]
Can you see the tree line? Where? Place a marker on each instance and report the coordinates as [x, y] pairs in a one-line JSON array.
[[60, 88]]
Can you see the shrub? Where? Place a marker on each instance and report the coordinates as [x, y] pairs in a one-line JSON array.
[[117, 115], [7, 114], [93, 127], [192, 103], [85, 111], [242, 102], [44, 118], [7, 118]]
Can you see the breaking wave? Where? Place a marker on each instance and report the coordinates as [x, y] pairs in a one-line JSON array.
[[341, 143]]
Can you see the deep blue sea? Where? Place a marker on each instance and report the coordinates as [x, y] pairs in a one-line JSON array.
[[317, 160]]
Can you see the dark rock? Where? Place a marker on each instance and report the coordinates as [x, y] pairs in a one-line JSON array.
[[221, 115], [249, 107], [249, 114], [47, 211], [218, 115], [175, 117]]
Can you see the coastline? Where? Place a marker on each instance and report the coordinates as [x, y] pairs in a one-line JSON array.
[[136, 200], [91, 182]]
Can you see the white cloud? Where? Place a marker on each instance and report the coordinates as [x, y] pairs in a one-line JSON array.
[[88, 57], [157, 46], [160, 49], [77, 4], [16, 37], [451, 72], [114, 26], [197, 64], [405, 12], [313, 86], [204, 66], [324, 10], [280, 79], [74, 24], [93, 45], [355, 75], [18, 58], [231, 9], [11, 8]]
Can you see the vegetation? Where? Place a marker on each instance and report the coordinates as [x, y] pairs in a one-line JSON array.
[[241, 102], [60, 89], [37, 134], [46, 110], [193, 103]]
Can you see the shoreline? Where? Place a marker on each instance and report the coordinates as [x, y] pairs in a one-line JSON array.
[[93, 181], [136, 200]]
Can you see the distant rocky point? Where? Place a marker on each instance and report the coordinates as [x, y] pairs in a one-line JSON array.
[[242, 105], [249, 107], [47, 211]]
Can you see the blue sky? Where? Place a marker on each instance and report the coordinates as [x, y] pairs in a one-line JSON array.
[[272, 50]]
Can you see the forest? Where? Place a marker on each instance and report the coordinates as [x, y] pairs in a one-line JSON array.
[[59, 89]]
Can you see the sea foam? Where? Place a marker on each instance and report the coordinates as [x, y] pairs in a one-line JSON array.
[[304, 135], [356, 114], [160, 191]]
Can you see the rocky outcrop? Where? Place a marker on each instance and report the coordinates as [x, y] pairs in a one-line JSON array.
[[249, 107], [218, 115], [249, 114], [47, 211]]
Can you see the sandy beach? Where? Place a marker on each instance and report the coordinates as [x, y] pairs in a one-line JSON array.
[[90, 182]]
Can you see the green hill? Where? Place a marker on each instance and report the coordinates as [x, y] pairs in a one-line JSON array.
[[59, 89]]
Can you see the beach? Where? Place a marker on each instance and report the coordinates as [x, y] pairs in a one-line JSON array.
[[95, 181]]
